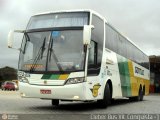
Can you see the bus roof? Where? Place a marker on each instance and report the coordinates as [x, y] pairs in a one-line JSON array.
[[96, 13], [63, 11]]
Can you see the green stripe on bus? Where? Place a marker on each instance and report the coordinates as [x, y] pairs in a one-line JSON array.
[[54, 77], [124, 76], [50, 77], [46, 76]]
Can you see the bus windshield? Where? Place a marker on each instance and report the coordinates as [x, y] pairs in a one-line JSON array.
[[52, 51]]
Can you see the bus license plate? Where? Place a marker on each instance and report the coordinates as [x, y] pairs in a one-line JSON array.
[[45, 91]]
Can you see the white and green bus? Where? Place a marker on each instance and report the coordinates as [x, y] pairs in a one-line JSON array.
[[77, 55]]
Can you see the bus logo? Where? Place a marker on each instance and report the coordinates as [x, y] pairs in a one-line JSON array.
[[139, 71], [95, 89], [45, 82]]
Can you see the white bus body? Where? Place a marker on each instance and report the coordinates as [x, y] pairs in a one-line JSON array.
[[53, 72]]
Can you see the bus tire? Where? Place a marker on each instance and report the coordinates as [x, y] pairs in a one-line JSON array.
[[139, 97], [106, 98], [55, 102], [141, 94]]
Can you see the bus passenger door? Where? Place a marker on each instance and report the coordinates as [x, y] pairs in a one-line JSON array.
[[93, 72]]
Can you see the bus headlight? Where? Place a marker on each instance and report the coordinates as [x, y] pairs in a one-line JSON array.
[[75, 80]]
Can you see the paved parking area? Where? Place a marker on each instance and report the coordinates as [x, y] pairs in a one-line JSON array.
[[12, 103]]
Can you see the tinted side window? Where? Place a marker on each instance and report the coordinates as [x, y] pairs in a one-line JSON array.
[[98, 35], [119, 44], [107, 39], [122, 46], [129, 50], [92, 57], [111, 38]]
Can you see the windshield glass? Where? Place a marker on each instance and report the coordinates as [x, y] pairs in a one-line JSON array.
[[34, 51], [59, 20], [52, 51]]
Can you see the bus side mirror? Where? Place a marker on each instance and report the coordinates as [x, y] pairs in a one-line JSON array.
[[11, 38], [87, 34]]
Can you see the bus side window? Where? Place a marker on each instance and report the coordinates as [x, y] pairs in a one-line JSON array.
[[92, 58]]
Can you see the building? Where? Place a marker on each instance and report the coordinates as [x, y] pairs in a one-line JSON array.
[[155, 74]]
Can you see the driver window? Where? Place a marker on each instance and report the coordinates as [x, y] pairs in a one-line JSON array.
[[92, 53]]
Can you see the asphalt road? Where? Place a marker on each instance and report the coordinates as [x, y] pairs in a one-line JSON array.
[[12, 104]]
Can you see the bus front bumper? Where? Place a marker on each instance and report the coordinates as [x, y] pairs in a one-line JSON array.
[[66, 92]]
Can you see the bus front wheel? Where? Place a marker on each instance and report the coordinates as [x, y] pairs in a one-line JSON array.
[[106, 98], [55, 102]]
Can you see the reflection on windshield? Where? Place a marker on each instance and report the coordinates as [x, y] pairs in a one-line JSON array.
[[68, 48], [38, 56], [35, 53], [53, 51]]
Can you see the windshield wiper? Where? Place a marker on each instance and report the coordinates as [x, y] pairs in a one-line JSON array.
[[27, 39], [54, 56], [38, 56]]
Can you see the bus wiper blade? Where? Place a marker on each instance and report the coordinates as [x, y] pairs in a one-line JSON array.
[[27, 39], [54, 57], [38, 56], [43, 47], [56, 60]]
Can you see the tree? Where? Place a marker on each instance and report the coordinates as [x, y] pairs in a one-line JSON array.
[[8, 73]]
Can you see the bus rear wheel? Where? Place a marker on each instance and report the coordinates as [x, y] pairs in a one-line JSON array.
[[106, 98], [55, 102], [141, 94], [139, 97]]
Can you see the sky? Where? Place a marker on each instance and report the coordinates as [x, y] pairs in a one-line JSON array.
[[139, 20]]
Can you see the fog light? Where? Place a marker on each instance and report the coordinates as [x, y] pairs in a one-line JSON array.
[[22, 95], [76, 97]]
